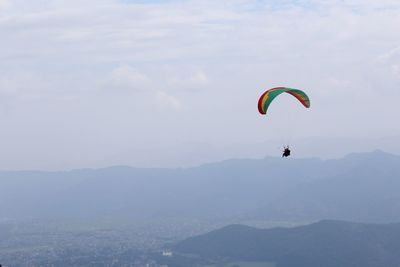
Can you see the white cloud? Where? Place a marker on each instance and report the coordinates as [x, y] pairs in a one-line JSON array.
[[199, 78], [393, 54], [396, 70], [167, 102], [182, 79], [23, 84], [128, 78]]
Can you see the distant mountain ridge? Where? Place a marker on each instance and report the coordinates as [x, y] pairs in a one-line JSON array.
[[326, 243], [367, 191], [359, 187]]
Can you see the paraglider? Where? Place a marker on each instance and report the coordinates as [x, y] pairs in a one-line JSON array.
[[286, 152], [268, 96]]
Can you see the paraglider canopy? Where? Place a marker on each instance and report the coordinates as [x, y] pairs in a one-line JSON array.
[[267, 97]]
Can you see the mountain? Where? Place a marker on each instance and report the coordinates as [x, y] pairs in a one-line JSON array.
[[183, 155], [326, 243], [360, 187], [367, 191], [232, 186]]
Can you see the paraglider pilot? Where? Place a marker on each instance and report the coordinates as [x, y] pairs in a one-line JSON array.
[[286, 152]]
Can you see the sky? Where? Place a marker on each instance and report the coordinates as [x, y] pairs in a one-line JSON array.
[[175, 83]]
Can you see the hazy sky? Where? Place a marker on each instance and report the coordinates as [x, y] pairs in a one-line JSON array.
[[100, 82]]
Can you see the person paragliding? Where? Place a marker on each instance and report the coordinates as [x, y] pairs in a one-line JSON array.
[[268, 96], [286, 152]]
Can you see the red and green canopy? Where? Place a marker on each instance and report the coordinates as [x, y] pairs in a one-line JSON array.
[[267, 97]]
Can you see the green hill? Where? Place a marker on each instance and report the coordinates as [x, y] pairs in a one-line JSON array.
[[326, 243]]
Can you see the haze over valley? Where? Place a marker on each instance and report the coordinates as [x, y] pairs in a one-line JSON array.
[[146, 209]]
